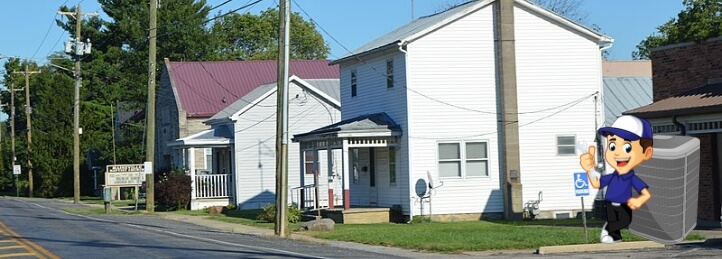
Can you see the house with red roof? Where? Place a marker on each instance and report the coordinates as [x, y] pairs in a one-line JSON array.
[[207, 111]]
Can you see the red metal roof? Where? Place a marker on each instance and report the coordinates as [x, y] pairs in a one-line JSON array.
[[205, 88]]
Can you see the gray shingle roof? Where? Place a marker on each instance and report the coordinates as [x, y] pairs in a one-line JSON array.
[[625, 93], [705, 99], [367, 123]]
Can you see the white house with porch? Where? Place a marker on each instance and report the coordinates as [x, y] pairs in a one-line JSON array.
[[242, 139], [421, 104]]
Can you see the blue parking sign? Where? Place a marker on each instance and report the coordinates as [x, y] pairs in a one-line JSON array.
[[581, 184]]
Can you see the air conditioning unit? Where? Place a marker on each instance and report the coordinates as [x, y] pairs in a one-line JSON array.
[[673, 178]]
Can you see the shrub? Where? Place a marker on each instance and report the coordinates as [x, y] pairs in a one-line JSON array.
[[174, 190], [269, 214]]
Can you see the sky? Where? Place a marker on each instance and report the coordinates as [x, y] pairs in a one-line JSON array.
[[30, 31]]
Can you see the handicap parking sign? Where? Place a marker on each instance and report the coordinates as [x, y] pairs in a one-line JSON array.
[[581, 184]]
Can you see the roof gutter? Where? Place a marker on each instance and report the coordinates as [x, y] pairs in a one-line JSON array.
[[366, 53], [682, 128]]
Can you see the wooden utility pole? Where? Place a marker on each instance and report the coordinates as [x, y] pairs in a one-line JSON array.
[[12, 131], [150, 110], [28, 110], [112, 129], [79, 48], [281, 226]]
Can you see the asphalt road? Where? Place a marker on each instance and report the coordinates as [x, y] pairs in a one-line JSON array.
[[39, 229]]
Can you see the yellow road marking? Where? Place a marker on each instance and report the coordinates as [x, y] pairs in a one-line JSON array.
[[9, 247], [16, 255], [27, 244]]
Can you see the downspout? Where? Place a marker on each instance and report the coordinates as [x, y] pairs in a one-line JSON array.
[[682, 128], [402, 48]]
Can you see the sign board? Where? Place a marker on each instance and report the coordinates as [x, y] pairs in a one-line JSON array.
[[16, 169], [581, 184], [130, 168], [124, 179], [148, 167], [125, 175]]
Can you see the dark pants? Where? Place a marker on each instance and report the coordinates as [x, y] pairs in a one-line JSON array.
[[618, 217]]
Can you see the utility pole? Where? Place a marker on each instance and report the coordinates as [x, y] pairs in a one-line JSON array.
[[150, 108], [77, 48], [28, 110], [281, 226], [12, 130]]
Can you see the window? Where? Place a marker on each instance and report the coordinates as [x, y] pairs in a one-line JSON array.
[[308, 161], [208, 153], [392, 166], [477, 159], [353, 83], [389, 73], [565, 145], [449, 160], [470, 161]]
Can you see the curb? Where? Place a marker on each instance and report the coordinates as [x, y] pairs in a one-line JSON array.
[[598, 247]]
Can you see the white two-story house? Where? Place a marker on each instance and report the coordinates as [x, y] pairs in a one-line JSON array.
[[421, 105]]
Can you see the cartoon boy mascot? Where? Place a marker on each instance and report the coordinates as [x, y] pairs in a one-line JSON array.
[[629, 143]]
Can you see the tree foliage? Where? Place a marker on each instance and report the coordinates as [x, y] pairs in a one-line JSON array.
[[255, 37], [117, 72], [701, 19]]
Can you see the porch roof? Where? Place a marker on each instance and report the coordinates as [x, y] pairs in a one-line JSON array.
[[210, 137], [367, 125], [705, 99]]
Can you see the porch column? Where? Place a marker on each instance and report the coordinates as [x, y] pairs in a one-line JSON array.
[[329, 152], [192, 169], [302, 159], [346, 171]]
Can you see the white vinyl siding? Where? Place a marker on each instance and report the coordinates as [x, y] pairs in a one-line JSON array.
[[255, 145], [452, 95], [555, 68]]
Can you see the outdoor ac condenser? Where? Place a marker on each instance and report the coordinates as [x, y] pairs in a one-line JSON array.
[[673, 178]]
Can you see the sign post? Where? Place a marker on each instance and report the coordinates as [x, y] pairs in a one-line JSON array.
[[581, 189], [16, 172]]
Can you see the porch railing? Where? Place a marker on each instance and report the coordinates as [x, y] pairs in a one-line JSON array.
[[305, 197], [212, 186]]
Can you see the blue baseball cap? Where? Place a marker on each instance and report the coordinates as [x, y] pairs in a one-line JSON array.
[[629, 127]]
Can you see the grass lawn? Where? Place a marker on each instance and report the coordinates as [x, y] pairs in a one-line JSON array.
[[244, 217], [98, 200], [472, 235]]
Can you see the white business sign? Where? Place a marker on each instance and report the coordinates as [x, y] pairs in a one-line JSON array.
[[130, 168], [16, 169], [124, 179]]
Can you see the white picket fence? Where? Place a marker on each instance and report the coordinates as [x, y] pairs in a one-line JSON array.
[[212, 186]]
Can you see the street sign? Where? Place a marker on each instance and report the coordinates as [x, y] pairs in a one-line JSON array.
[[581, 184], [16, 169]]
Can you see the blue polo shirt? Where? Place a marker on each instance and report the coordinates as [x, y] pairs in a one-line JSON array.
[[620, 186]]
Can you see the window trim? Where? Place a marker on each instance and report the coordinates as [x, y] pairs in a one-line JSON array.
[[462, 159], [389, 73], [354, 83], [557, 145]]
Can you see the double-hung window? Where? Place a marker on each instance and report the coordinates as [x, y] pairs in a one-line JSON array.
[[389, 73], [463, 159], [353, 83], [565, 145]]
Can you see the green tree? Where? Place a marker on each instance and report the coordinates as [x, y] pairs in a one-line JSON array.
[[255, 37], [701, 19]]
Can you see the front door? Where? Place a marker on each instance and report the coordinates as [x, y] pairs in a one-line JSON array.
[[373, 191]]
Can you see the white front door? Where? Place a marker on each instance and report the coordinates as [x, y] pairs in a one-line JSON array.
[[373, 176]]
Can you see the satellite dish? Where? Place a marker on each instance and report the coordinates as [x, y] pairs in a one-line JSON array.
[[421, 188], [432, 182]]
